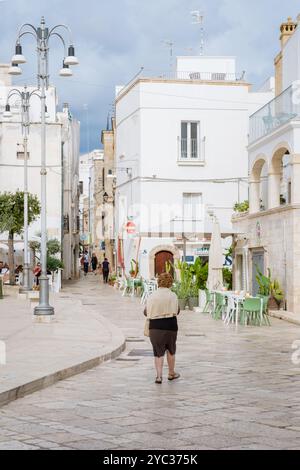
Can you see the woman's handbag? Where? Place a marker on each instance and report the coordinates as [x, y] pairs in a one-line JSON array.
[[146, 328]]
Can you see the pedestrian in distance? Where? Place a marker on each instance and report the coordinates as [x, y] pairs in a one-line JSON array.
[[86, 262], [161, 312], [37, 273], [105, 270], [94, 262]]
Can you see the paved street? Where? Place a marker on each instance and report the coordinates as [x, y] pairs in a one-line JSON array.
[[239, 390]]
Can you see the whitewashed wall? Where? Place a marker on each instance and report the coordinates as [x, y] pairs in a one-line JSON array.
[[148, 128]]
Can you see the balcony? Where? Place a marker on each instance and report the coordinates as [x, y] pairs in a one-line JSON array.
[[202, 76], [282, 109], [189, 149]]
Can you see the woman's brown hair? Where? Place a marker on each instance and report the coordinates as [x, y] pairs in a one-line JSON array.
[[165, 280]]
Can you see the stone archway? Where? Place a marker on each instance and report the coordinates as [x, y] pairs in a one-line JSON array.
[[276, 173], [255, 200], [161, 248]]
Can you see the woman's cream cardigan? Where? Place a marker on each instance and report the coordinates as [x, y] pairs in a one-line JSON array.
[[163, 303]]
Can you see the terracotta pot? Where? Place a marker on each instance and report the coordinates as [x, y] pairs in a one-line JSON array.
[[273, 304]]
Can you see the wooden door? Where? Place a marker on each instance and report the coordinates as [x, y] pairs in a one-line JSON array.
[[160, 261]]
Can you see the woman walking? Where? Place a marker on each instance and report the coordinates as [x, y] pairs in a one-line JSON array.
[[105, 270], [86, 262], [161, 311], [94, 262]]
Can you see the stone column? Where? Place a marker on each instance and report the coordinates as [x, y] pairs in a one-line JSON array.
[[295, 178], [273, 190], [254, 196]]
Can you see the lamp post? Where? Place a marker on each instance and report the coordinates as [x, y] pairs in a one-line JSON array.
[[42, 35], [25, 97]]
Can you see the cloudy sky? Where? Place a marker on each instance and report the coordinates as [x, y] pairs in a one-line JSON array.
[[115, 38]]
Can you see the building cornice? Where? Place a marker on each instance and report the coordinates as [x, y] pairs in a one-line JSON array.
[[274, 210], [180, 82]]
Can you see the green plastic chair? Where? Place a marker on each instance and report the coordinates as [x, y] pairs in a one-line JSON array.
[[209, 302], [252, 311], [265, 308], [129, 287], [219, 306]]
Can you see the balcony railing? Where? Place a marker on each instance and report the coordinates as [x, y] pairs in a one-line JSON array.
[[282, 109], [189, 149], [205, 76], [191, 76]]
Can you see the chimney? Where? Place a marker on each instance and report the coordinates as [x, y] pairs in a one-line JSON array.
[[5, 78], [286, 31]]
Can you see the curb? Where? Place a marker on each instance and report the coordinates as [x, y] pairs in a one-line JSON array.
[[43, 382], [285, 316]]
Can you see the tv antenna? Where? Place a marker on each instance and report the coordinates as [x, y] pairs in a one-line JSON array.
[[198, 18], [170, 44]]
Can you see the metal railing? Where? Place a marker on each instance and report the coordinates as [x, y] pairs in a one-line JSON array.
[[189, 149], [192, 75], [275, 114]]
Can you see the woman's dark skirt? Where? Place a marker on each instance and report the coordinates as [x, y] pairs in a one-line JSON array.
[[162, 341]]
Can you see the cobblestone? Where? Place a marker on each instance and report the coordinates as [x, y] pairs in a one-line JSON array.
[[238, 390]]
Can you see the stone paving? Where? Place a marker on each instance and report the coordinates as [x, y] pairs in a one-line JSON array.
[[239, 390], [39, 354]]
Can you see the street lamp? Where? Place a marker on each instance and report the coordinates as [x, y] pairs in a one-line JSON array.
[[25, 97], [42, 35]]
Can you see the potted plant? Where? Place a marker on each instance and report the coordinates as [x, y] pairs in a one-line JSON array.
[[182, 294], [270, 287], [193, 296], [200, 273], [134, 268], [227, 278], [112, 279], [241, 207]]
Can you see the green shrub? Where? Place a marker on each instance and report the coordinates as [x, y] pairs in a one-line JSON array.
[[241, 206], [227, 278]]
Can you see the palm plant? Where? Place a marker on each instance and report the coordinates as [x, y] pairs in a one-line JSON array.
[[268, 286]]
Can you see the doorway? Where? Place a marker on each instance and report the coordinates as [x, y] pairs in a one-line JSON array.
[[161, 258], [258, 261]]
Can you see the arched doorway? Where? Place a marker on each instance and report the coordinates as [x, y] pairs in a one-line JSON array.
[[161, 258]]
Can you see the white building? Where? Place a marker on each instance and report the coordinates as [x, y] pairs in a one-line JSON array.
[[70, 192], [270, 232], [86, 204], [62, 154], [181, 157]]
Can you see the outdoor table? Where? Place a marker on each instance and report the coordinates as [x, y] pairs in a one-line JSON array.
[[237, 298]]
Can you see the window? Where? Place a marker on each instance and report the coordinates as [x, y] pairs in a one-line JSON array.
[[192, 206], [190, 141], [21, 155]]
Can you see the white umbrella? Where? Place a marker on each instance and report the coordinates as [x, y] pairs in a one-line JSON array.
[[215, 267]]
